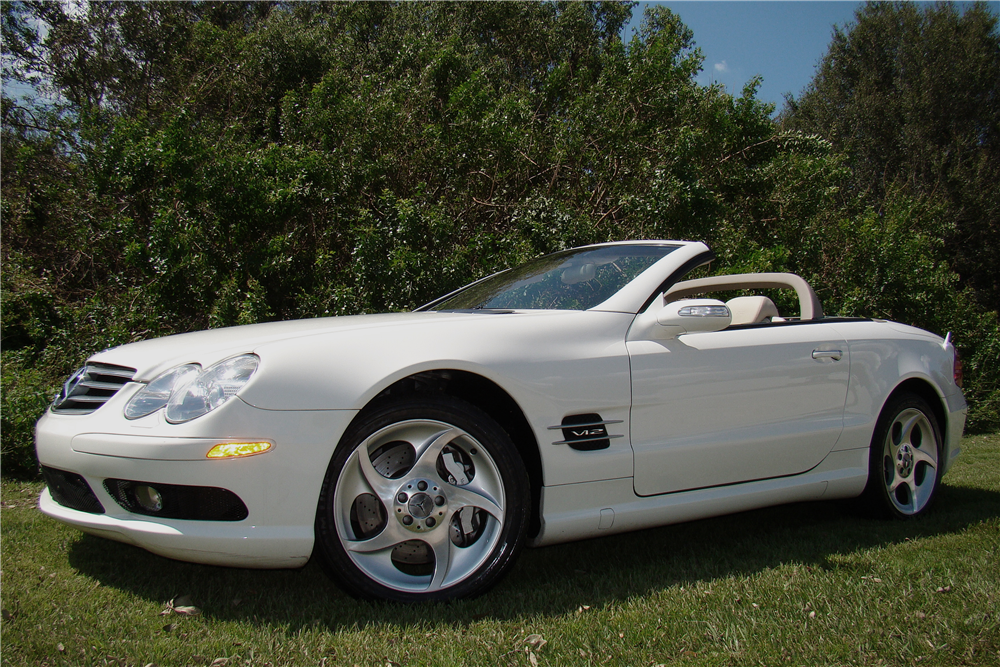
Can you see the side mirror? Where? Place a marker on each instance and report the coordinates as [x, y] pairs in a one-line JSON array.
[[664, 321], [693, 316]]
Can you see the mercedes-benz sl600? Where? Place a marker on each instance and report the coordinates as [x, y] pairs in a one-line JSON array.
[[585, 393]]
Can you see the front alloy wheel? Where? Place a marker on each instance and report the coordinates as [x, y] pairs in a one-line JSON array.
[[424, 499]]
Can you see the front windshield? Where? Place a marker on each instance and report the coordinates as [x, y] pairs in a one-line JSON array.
[[569, 280]]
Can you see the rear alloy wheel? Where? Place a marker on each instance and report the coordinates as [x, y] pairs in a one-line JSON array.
[[905, 464], [425, 499]]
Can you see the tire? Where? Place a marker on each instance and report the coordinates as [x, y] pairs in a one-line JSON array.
[[425, 498], [904, 467]]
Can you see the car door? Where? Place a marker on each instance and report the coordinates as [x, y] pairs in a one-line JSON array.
[[745, 403]]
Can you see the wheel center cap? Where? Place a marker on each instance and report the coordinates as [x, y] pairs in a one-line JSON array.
[[904, 460], [420, 505]]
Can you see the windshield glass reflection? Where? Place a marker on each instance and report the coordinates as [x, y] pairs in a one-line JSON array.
[[569, 280]]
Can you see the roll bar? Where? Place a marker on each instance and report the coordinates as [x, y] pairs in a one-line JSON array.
[[809, 306]]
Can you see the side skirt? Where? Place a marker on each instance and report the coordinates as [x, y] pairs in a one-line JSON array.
[[569, 511]]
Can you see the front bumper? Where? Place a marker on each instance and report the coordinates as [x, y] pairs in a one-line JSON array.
[[209, 542], [280, 488]]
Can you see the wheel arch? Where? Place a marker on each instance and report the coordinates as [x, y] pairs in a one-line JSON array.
[[489, 397]]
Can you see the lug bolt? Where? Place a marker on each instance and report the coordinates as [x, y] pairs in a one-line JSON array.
[[439, 501], [430, 522], [407, 520], [422, 485], [402, 497]]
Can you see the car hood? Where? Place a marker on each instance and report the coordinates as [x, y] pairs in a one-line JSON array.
[[343, 362], [152, 357]]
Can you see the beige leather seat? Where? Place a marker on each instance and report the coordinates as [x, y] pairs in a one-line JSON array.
[[752, 309]]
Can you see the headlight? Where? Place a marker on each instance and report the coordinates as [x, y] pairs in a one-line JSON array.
[[155, 395], [211, 388]]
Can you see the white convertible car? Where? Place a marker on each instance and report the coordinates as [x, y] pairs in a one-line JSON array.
[[585, 393]]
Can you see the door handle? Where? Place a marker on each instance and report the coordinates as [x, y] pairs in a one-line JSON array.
[[828, 354]]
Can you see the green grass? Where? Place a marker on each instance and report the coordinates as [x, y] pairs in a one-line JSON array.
[[801, 584]]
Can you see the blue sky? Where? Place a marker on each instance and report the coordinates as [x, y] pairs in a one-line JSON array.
[[780, 41]]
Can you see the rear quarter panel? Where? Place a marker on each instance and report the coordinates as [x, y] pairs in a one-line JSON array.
[[883, 356]]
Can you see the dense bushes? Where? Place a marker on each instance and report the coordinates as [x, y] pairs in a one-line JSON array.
[[301, 160]]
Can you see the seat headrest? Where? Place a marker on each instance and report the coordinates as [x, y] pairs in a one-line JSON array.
[[751, 309]]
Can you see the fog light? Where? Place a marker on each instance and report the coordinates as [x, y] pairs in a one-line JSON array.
[[148, 497], [236, 449]]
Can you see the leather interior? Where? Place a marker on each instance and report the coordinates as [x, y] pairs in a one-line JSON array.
[[752, 309]]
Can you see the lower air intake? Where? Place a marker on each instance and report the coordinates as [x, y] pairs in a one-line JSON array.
[[71, 490], [173, 501]]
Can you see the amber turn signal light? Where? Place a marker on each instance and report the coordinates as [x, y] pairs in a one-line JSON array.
[[230, 450]]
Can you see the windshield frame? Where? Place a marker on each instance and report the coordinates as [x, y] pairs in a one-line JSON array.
[[562, 263]]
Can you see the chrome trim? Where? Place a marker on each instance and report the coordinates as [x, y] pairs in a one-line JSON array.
[[594, 439], [587, 425], [94, 384], [108, 369], [91, 387]]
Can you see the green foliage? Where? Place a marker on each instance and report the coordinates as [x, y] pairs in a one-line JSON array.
[[26, 394], [909, 92], [908, 95], [977, 334], [893, 263], [213, 164]]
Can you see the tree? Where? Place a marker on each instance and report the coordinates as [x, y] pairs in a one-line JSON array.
[[205, 164], [912, 96]]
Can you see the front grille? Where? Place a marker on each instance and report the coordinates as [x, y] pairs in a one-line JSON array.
[[90, 388], [197, 503], [71, 490]]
